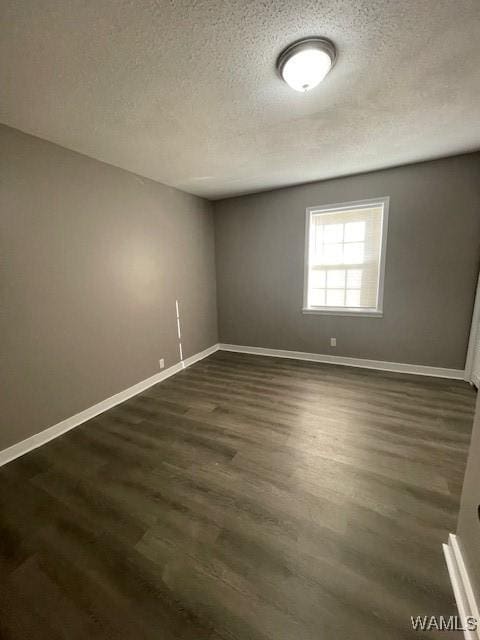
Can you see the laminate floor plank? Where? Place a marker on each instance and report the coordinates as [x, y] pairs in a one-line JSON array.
[[245, 498]]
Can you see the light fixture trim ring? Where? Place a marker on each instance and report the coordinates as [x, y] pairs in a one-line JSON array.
[[314, 42]]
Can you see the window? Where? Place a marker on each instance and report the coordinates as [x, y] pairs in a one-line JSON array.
[[345, 258]]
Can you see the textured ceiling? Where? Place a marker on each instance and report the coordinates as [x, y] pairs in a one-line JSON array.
[[186, 92]]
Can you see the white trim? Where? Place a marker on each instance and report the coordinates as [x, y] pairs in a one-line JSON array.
[[344, 311], [46, 435], [462, 587], [383, 253], [334, 208], [397, 367], [473, 340]]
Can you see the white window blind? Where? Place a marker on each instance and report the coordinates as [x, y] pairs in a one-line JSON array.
[[345, 257]]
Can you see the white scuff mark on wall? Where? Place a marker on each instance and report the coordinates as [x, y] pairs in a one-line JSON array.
[[179, 332]]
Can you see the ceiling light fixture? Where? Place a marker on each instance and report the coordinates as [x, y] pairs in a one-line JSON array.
[[305, 63]]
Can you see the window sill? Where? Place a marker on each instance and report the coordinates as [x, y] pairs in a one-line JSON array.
[[363, 313]]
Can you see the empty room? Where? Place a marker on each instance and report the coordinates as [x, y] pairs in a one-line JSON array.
[[240, 320]]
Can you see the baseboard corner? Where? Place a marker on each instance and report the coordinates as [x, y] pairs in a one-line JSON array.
[[462, 586]]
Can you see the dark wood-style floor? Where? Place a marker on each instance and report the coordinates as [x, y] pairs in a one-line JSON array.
[[246, 498]]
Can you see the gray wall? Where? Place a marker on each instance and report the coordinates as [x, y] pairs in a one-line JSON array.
[[432, 262], [93, 260], [468, 528]]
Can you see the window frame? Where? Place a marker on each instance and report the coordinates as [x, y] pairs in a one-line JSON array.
[[376, 312]]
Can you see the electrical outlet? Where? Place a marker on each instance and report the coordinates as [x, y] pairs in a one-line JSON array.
[[333, 342], [161, 362]]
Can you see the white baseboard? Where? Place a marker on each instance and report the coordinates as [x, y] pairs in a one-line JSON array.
[[462, 587], [50, 433], [397, 367]]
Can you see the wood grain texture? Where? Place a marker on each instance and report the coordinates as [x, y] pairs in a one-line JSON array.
[[246, 498]]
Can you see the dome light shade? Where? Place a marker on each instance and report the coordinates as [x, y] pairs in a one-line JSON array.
[[305, 63]]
